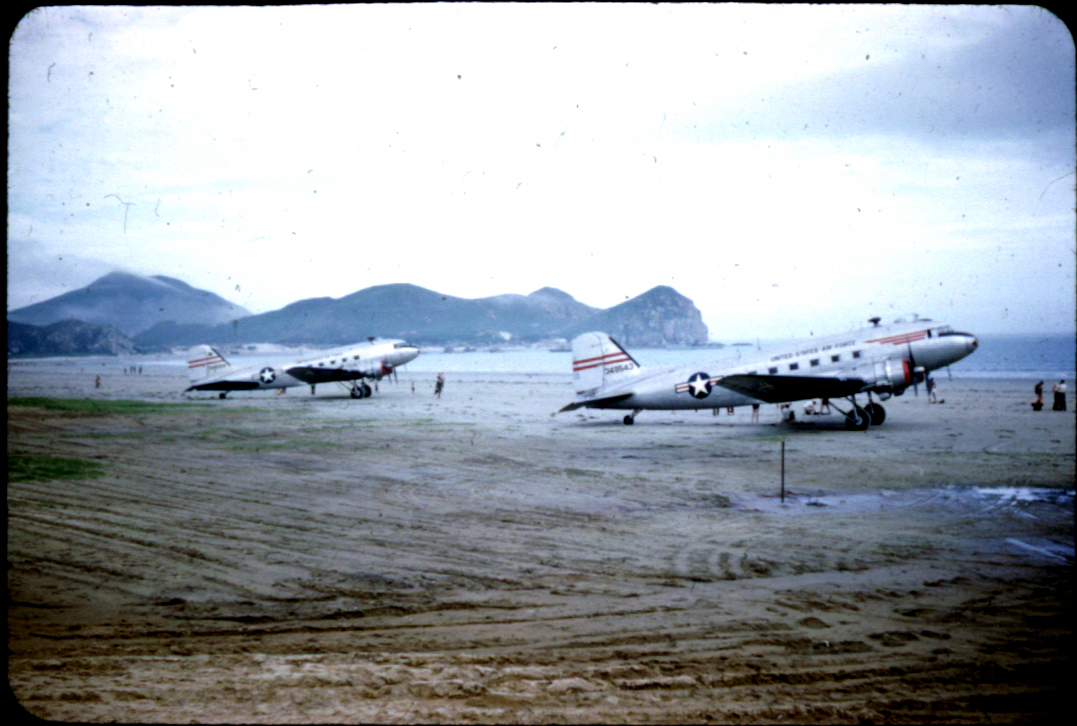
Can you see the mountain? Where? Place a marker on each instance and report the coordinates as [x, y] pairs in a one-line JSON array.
[[132, 304], [661, 316], [67, 337]]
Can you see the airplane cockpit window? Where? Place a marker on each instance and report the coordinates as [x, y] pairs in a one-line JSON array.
[[402, 344]]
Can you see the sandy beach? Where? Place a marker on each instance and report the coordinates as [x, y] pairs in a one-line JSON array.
[[296, 558]]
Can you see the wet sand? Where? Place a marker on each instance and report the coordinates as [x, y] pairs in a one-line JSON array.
[[298, 558]]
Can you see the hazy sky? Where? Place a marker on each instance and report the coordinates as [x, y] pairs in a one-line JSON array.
[[791, 169]]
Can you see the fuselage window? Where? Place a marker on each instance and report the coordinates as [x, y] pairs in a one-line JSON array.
[[856, 354], [835, 358], [794, 366], [814, 362], [773, 371]]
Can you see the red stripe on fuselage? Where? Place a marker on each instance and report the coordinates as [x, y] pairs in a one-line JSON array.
[[901, 339]]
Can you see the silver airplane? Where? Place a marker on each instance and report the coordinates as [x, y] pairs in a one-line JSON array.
[[209, 371], [882, 360]]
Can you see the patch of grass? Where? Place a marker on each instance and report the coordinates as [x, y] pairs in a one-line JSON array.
[[287, 444], [26, 467], [98, 406]]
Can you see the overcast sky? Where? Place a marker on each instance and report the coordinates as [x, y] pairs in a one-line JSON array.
[[792, 169]]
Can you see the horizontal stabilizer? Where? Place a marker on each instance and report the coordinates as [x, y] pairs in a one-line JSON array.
[[224, 386], [776, 389], [596, 402]]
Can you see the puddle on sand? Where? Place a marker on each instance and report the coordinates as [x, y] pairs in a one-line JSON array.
[[967, 500]]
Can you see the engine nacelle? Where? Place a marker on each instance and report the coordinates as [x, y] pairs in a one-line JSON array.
[[892, 376]]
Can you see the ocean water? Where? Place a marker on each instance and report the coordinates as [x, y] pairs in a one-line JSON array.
[[1047, 357]]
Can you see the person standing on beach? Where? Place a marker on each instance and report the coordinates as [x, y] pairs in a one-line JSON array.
[[1060, 396], [1037, 403], [439, 385]]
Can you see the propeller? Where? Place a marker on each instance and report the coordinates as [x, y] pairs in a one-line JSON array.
[[913, 367]]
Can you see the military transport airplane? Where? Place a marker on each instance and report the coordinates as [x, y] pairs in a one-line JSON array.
[[209, 371], [882, 360]]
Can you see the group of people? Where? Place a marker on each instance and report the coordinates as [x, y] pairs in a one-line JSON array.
[[787, 414], [1059, 389]]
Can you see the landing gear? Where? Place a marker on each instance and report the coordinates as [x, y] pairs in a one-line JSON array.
[[876, 413], [631, 418], [222, 394], [857, 419], [360, 390]]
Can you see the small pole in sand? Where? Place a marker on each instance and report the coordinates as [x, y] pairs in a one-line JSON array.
[[783, 472]]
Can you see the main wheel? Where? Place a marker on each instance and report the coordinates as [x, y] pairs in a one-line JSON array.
[[857, 419], [358, 392], [876, 413], [629, 420]]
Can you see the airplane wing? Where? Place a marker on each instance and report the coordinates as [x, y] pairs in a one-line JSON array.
[[313, 374], [777, 389], [596, 402]]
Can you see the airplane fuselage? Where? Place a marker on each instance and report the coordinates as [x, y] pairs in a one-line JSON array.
[[883, 359], [373, 359]]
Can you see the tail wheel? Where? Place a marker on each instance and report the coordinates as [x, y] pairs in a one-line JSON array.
[[857, 419]]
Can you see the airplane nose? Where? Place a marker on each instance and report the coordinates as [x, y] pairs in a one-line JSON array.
[[973, 343]]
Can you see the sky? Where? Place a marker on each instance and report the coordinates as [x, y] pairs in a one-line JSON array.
[[792, 169]]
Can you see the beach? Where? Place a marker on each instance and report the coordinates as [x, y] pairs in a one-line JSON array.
[[305, 558]]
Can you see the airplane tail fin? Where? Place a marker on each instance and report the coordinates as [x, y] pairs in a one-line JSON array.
[[205, 363], [598, 363]]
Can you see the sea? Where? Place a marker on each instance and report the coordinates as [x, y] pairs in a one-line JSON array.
[[1046, 357], [1042, 357]]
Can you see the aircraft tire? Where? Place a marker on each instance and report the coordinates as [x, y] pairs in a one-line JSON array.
[[876, 413], [857, 419], [367, 391], [357, 392], [629, 420]]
